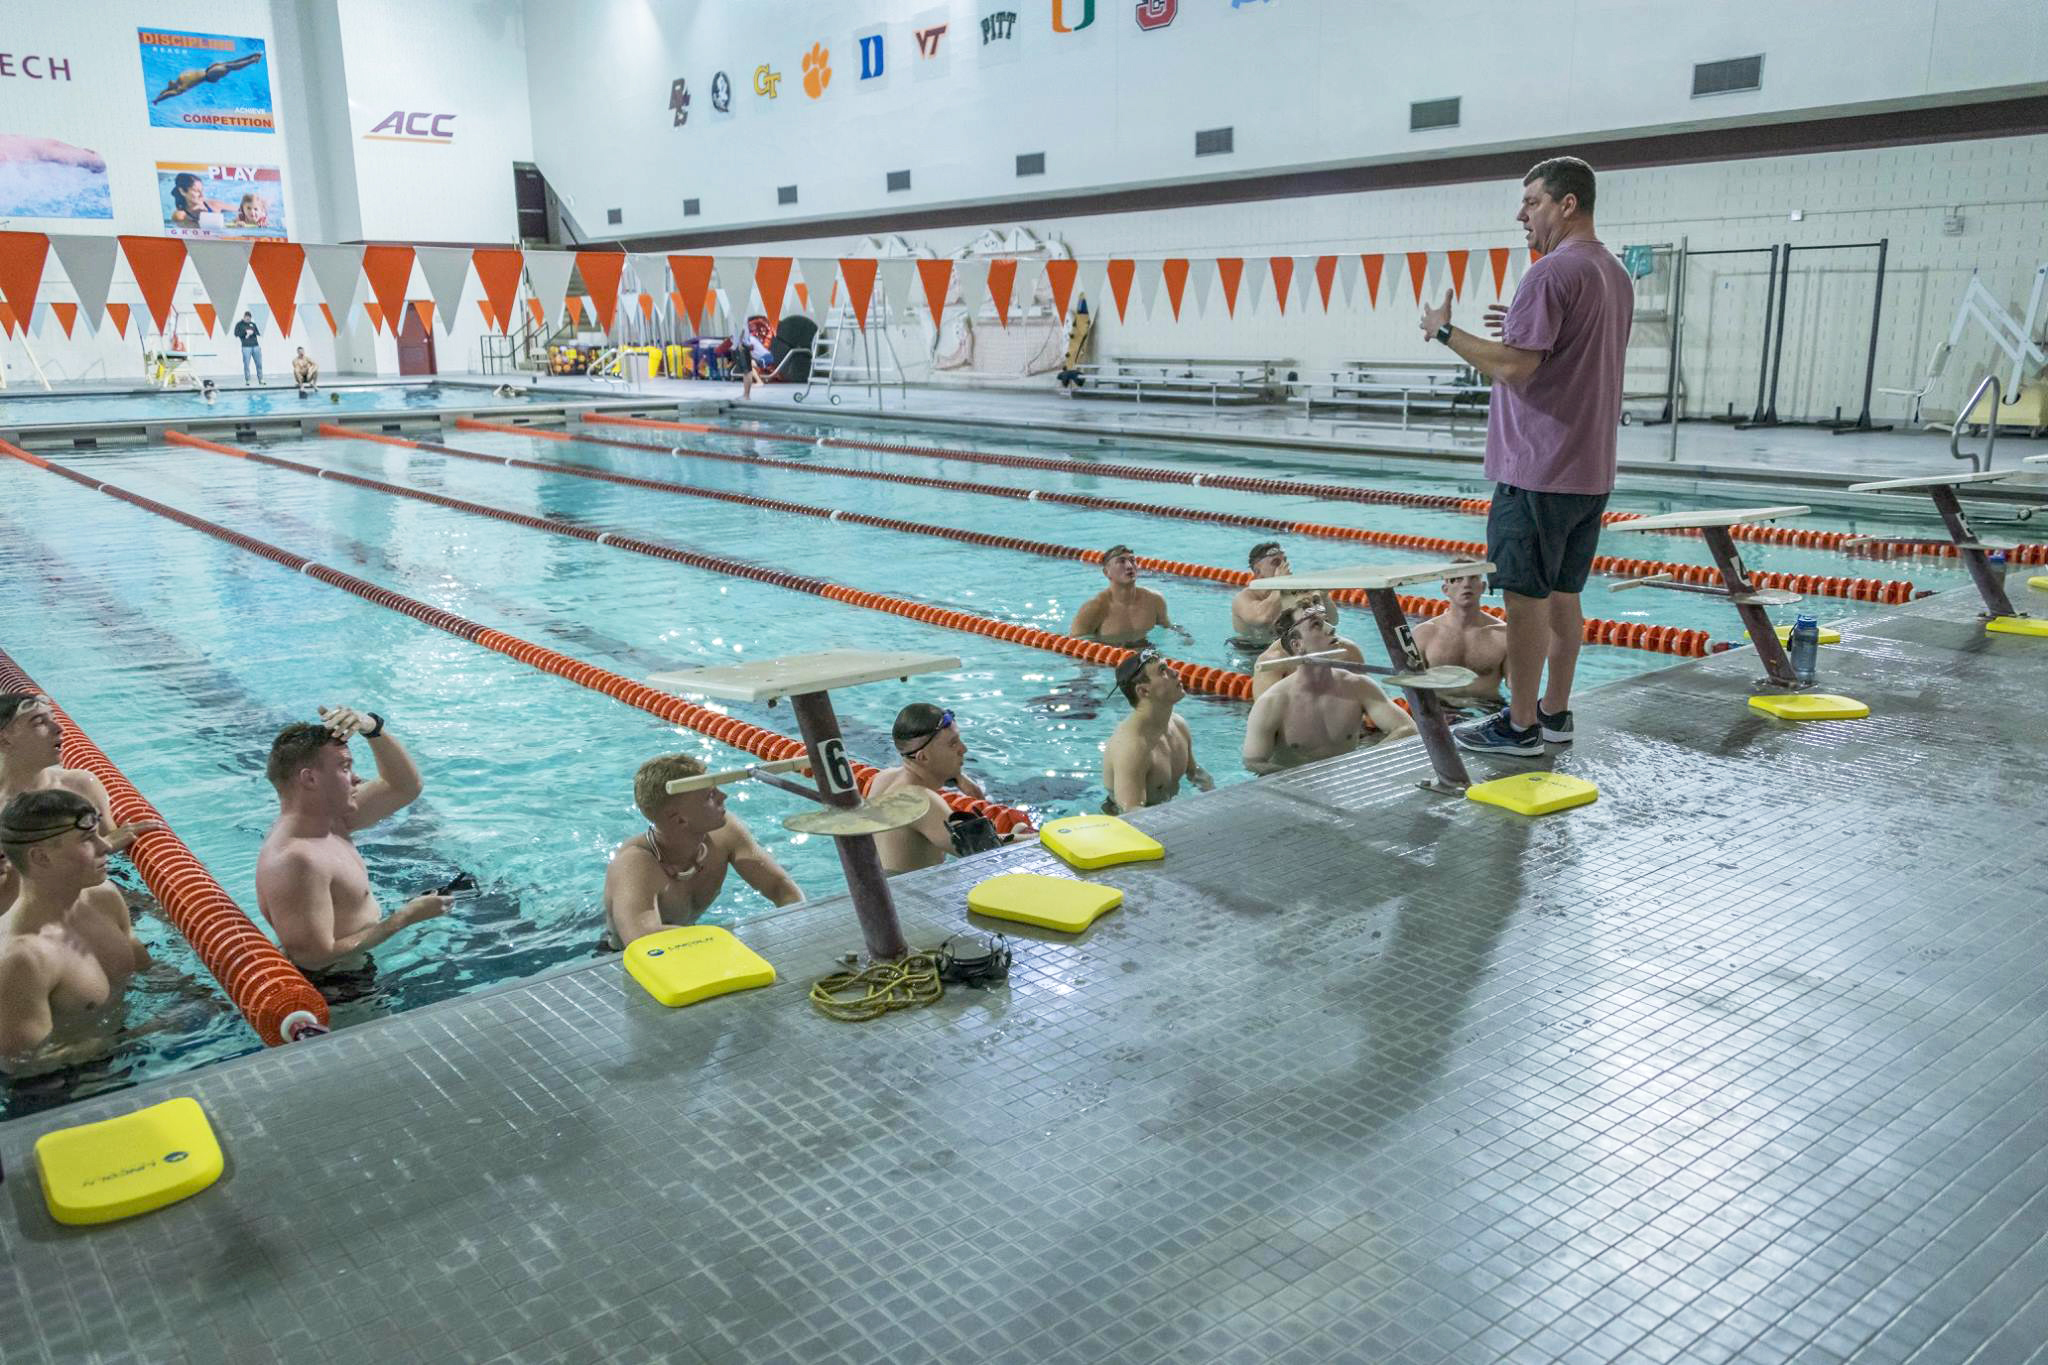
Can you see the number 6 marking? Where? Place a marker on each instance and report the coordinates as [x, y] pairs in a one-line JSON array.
[[838, 772]]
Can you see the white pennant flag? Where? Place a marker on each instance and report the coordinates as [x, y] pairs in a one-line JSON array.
[[1024, 290], [446, 271], [1149, 273], [896, 275], [221, 267], [970, 277], [1088, 284], [1252, 285], [1306, 288], [338, 270], [736, 278], [1350, 272], [1201, 276], [89, 264], [547, 276], [820, 274]]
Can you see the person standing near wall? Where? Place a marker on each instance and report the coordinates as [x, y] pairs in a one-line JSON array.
[[251, 337], [1550, 445]]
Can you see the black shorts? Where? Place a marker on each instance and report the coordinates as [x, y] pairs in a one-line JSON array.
[[1541, 543]]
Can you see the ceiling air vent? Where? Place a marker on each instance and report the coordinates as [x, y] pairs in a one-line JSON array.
[[690, 208], [1725, 78], [614, 217], [1424, 115], [899, 180], [785, 194], [1031, 163], [1213, 141]]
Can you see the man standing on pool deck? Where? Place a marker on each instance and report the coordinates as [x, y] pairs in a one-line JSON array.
[[251, 337], [1550, 434], [311, 883]]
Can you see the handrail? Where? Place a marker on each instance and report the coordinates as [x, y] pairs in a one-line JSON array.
[[1955, 431]]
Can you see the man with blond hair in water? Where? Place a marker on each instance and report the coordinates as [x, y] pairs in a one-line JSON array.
[[31, 747], [1466, 637], [670, 874], [1317, 711]]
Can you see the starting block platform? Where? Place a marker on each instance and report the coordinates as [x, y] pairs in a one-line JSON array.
[[1736, 588], [2000, 616]]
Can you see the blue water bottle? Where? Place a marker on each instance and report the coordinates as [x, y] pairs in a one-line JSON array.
[[1997, 561], [1804, 646]]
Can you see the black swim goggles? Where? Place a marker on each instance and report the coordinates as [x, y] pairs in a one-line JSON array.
[[945, 719], [87, 821]]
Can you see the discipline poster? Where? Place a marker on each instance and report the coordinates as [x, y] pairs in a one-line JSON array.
[[220, 201], [206, 80]]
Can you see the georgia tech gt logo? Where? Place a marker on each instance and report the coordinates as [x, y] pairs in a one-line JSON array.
[[766, 81]]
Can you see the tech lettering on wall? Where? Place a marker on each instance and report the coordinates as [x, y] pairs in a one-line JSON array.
[[30, 66], [405, 125]]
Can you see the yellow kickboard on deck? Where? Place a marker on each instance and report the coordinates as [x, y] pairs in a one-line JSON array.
[[1051, 902], [1810, 706], [1828, 635], [117, 1168], [1087, 841], [2039, 582], [1534, 793], [693, 962], [2017, 625]]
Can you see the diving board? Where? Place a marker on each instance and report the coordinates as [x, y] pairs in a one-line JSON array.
[[1974, 550], [1412, 673], [1716, 529]]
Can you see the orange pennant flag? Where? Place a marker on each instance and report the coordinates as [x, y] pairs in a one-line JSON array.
[[1534, 255], [22, 255], [575, 305], [1326, 275], [1174, 270], [375, 314], [675, 301], [1457, 260], [646, 307], [156, 262], [803, 297], [859, 274], [937, 278], [6, 319], [539, 311], [601, 271], [1374, 264], [499, 269], [1121, 273], [1418, 266], [332, 325], [693, 282], [484, 306], [207, 315], [423, 309], [1498, 257], [1283, 277], [1060, 275], [771, 277], [1230, 270], [67, 315], [1002, 278], [118, 314], [278, 266], [389, 271]]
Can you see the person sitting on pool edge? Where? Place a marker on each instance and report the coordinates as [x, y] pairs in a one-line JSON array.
[[1151, 750], [1466, 636], [1122, 613], [305, 373], [1264, 677], [671, 874], [932, 754], [1253, 610], [67, 947], [311, 883], [1316, 711], [31, 746]]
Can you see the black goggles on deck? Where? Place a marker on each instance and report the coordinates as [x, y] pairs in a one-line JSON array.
[[945, 719], [87, 821]]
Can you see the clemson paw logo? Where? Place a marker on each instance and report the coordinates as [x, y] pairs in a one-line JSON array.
[[817, 70]]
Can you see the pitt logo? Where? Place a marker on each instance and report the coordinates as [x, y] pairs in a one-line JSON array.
[[928, 40], [766, 81], [403, 126], [1059, 16], [1156, 13], [998, 26]]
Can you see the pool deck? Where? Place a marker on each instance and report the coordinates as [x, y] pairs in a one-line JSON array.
[[1742, 1062]]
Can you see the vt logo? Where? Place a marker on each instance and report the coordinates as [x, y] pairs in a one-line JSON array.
[[766, 81], [1059, 16], [871, 56], [928, 40], [998, 26], [1156, 13]]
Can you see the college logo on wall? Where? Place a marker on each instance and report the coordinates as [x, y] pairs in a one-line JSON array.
[[679, 100], [928, 41], [1240, 4], [1156, 13], [402, 125], [767, 82], [998, 26], [1059, 16], [34, 67], [721, 93], [817, 70], [871, 60]]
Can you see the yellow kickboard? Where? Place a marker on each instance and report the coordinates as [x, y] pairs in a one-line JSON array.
[[693, 962], [1051, 902], [2039, 582], [1828, 635], [1087, 841], [2017, 625], [1810, 706], [117, 1168], [1534, 793]]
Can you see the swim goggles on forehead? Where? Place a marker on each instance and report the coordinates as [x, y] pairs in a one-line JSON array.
[[86, 821], [24, 705], [945, 719]]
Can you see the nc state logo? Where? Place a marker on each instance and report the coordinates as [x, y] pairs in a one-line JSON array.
[[1157, 13]]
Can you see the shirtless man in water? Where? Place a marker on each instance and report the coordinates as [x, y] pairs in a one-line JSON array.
[[1151, 751], [1316, 711], [1265, 679], [310, 881], [1468, 637], [1253, 610], [30, 747], [1122, 613], [932, 754], [67, 946], [671, 874]]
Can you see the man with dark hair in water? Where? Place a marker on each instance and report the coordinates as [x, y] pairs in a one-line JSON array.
[[31, 747], [1122, 613], [1318, 710], [933, 754], [1152, 750], [1254, 609]]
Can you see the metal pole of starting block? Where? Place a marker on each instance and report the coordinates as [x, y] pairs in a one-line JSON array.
[[1996, 603], [1755, 619], [857, 856], [1423, 704]]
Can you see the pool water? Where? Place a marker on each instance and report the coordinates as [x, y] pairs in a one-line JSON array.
[[182, 656], [277, 399]]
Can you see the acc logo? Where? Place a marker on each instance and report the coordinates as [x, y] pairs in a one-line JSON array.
[[679, 100], [766, 81], [721, 93], [405, 126], [1157, 13]]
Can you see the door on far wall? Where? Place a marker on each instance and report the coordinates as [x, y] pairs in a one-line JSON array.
[[415, 345]]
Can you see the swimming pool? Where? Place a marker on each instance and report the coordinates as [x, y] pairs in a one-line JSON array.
[[278, 399], [181, 655]]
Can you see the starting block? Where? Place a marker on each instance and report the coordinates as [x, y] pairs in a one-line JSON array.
[[703, 780], [1540, 793], [120, 1167], [1809, 706], [1412, 674], [1050, 902], [1999, 615]]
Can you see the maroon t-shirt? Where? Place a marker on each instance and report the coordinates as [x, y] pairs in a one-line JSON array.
[[1555, 432]]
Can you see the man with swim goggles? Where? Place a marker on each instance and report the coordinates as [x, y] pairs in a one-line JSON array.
[[931, 755], [31, 743], [1254, 609], [67, 946], [1151, 751], [1269, 671]]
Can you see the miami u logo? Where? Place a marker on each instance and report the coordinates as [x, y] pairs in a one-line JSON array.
[[1157, 13], [1059, 16]]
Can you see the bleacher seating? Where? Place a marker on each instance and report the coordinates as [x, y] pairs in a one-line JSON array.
[[1218, 381]]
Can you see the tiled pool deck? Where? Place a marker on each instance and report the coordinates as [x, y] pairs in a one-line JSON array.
[[1743, 1062]]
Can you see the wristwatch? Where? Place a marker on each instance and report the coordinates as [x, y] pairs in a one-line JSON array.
[[1443, 334], [372, 734]]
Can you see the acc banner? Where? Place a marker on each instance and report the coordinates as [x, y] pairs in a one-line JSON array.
[[220, 201], [205, 80]]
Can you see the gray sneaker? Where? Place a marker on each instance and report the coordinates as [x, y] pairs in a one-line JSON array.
[[1556, 729]]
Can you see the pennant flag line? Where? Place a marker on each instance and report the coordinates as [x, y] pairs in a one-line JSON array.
[[498, 270], [22, 257], [277, 267]]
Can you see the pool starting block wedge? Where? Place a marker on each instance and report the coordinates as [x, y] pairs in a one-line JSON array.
[[120, 1167], [1540, 793], [1809, 706], [1973, 549], [2039, 582], [1049, 902], [1089, 841], [693, 962]]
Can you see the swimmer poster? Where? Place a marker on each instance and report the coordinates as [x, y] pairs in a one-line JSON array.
[[43, 177], [206, 80], [199, 200]]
